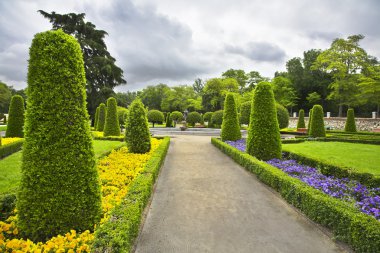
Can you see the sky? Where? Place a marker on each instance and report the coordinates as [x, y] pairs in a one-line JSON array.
[[175, 42]]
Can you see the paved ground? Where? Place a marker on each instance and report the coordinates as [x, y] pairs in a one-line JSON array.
[[205, 202]]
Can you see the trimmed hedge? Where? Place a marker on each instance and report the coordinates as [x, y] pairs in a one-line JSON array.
[[16, 117], [111, 125], [309, 122], [155, 116], [217, 118], [193, 118], [59, 188], [120, 232], [230, 127], [169, 121], [207, 117], [6, 150], [301, 119], [101, 117], [176, 116], [245, 112], [96, 117], [348, 224], [350, 125], [317, 125], [7, 205], [282, 116]]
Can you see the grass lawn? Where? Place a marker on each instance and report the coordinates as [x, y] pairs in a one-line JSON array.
[[363, 158], [10, 166], [3, 128]]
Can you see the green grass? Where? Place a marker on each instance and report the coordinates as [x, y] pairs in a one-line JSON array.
[[10, 166], [362, 158], [3, 128]]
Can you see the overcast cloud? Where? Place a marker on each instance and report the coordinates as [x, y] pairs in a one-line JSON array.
[[175, 42]]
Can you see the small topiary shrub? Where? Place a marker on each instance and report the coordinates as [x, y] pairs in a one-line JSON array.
[[309, 122], [121, 115], [155, 116], [101, 118], [350, 122], [301, 119], [207, 117], [317, 125], [16, 117], [245, 112], [264, 141], [230, 126], [176, 116], [169, 121], [217, 118], [59, 189], [111, 125], [96, 117], [137, 133], [193, 118], [282, 116]]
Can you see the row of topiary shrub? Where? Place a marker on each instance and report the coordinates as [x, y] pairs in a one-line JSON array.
[[348, 224]]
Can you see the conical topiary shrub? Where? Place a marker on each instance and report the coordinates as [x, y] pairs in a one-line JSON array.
[[96, 117], [137, 133], [169, 121], [230, 126], [282, 116], [111, 125], [59, 189], [264, 141], [301, 119], [317, 125], [245, 112], [101, 118], [16, 117], [309, 122], [350, 122]]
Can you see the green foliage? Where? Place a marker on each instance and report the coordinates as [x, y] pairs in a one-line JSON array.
[[313, 98], [155, 116], [180, 98], [245, 112], [101, 117], [5, 97], [284, 91], [16, 117], [317, 125], [169, 121], [137, 133], [264, 141], [207, 117], [152, 96], [217, 118], [301, 119], [122, 115], [59, 188], [193, 118], [350, 122], [230, 126], [111, 125], [348, 224], [239, 75], [202, 122], [309, 122], [11, 148], [176, 116], [96, 120], [282, 116]]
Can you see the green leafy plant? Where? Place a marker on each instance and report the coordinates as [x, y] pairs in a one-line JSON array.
[[207, 117], [155, 116], [301, 119], [350, 122], [193, 118], [245, 112], [176, 116], [169, 121], [217, 118], [309, 122], [96, 117], [16, 117], [282, 116], [122, 115], [111, 125], [230, 126], [317, 125], [101, 118]]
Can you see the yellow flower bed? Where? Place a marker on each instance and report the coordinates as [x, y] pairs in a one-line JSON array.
[[5, 141], [97, 134], [116, 171]]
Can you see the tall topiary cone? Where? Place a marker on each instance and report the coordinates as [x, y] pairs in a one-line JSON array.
[[309, 122], [137, 133], [101, 118], [350, 122], [317, 125], [264, 141], [111, 125], [59, 188], [168, 120], [230, 125], [301, 119], [16, 117], [96, 117]]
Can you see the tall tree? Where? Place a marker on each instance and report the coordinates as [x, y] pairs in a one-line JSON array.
[[124, 99], [152, 96], [239, 75], [102, 74], [284, 91], [254, 78], [198, 86], [369, 86]]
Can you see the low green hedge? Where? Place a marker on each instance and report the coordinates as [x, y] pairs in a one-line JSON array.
[[110, 138], [7, 204], [9, 149], [118, 234], [348, 224], [350, 133]]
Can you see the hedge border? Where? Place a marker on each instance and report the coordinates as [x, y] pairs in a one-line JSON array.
[[119, 233], [10, 148], [347, 223], [110, 138]]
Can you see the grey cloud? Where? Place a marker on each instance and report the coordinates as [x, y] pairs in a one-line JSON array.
[[258, 51], [323, 35]]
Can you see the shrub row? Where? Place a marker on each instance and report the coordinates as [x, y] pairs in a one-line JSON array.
[[110, 138], [348, 224], [119, 233], [10, 148]]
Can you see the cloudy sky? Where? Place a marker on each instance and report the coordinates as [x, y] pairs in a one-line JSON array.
[[175, 42]]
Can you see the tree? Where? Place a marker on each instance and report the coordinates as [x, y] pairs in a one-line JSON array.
[[169, 121], [350, 125], [193, 118], [111, 125], [313, 98], [155, 116], [369, 86], [194, 104], [137, 133], [16, 118], [301, 119], [207, 117], [345, 59], [101, 117], [179, 98], [237, 74], [217, 118], [264, 141], [102, 74], [230, 127], [59, 189], [96, 120], [176, 116], [215, 91], [282, 116], [122, 115], [152, 96], [198, 86], [317, 125], [284, 92], [5, 97], [124, 99], [245, 112], [254, 78]]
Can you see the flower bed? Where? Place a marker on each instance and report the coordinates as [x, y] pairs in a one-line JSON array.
[[10, 145], [100, 136], [116, 172]]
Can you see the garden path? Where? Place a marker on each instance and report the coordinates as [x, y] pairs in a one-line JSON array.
[[205, 202]]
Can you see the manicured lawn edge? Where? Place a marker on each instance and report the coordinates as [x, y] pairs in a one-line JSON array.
[[348, 224], [120, 232], [110, 138], [333, 139], [10, 148]]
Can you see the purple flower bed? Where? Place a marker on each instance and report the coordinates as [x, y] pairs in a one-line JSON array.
[[366, 199]]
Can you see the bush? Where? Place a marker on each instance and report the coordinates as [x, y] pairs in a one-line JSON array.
[[264, 141], [6, 150], [317, 125], [16, 117], [207, 117], [59, 188], [122, 115], [169, 121], [350, 122], [101, 118], [230, 126], [155, 116], [176, 116], [111, 125], [301, 119], [245, 112], [96, 117], [193, 118], [217, 118], [282, 116], [137, 133], [202, 122], [310, 118]]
